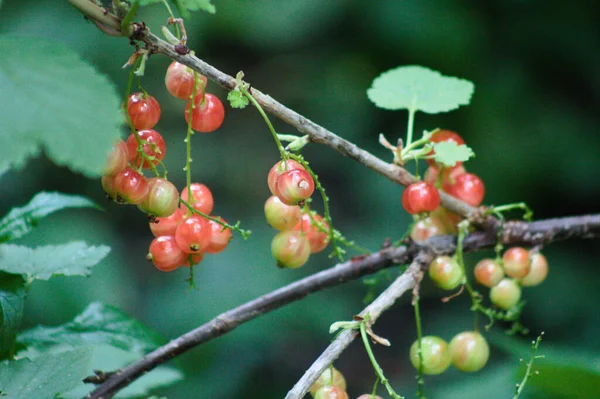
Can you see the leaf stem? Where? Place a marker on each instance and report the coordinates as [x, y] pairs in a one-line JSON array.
[[411, 121]]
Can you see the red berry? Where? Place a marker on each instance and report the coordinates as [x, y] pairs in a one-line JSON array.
[[327, 379], [202, 199], [179, 80], [208, 113], [220, 237], [162, 199], [435, 354], [426, 228], [317, 239], [420, 197], [446, 273], [432, 174], [506, 294], [442, 136], [331, 392], [166, 226], [516, 262], [153, 146], [117, 159], [469, 351], [131, 186], [538, 271], [467, 187], [144, 111], [278, 169], [166, 254], [281, 216], [193, 234], [290, 249], [488, 272], [294, 186]]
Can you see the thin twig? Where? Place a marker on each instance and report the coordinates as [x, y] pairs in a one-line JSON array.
[[523, 233]]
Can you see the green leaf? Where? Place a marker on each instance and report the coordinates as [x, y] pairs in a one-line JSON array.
[[237, 99], [12, 302], [417, 88], [566, 381], [72, 259], [57, 102], [98, 324], [45, 376], [448, 153], [20, 221], [184, 5]]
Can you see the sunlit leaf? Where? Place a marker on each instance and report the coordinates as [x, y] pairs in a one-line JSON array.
[[12, 298], [418, 88], [72, 259], [58, 103], [449, 153], [20, 221]]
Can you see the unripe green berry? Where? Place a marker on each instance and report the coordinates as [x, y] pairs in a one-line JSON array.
[[290, 248], [446, 273], [469, 351], [435, 353], [327, 378], [506, 294]]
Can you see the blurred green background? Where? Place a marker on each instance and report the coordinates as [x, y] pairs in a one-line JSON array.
[[533, 124]]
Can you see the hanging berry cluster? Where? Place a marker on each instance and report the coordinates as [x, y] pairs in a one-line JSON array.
[[183, 228]]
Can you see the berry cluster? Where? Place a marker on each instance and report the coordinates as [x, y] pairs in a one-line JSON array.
[[302, 231], [467, 351], [183, 233], [423, 198]]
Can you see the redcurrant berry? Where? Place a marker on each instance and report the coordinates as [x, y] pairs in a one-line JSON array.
[[537, 272], [179, 80], [278, 169], [117, 159], [331, 392], [469, 351], [488, 272], [328, 379], [442, 136], [446, 273], [420, 197], [435, 353], [202, 198], [153, 146], [317, 239], [294, 186], [162, 199], [516, 262], [144, 111], [506, 294], [166, 254], [433, 176], [220, 237], [108, 185], [208, 113], [166, 226], [193, 234], [467, 187], [131, 186], [281, 216], [290, 249], [426, 228]]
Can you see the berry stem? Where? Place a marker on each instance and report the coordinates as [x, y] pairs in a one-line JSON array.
[[376, 367], [282, 151], [534, 347], [188, 141], [244, 233], [528, 212], [420, 381], [177, 33]]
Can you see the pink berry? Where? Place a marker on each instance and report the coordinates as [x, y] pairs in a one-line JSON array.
[[467, 187], [208, 113], [162, 199], [426, 228], [516, 262], [537, 272], [488, 272], [220, 237], [166, 254], [144, 111], [166, 226], [202, 198], [153, 146], [469, 351], [179, 80], [420, 197], [290, 249], [193, 234], [278, 169], [109, 187], [281, 216], [131, 186], [331, 392], [317, 239], [294, 186], [117, 159]]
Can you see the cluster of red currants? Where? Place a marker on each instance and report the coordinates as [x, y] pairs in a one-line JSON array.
[[301, 232], [467, 351], [182, 235], [423, 197], [332, 385]]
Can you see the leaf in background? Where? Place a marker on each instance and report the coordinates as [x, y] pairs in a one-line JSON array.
[[45, 376], [98, 324], [72, 259], [12, 298], [418, 88], [20, 221], [58, 102], [566, 381], [184, 5], [448, 153]]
